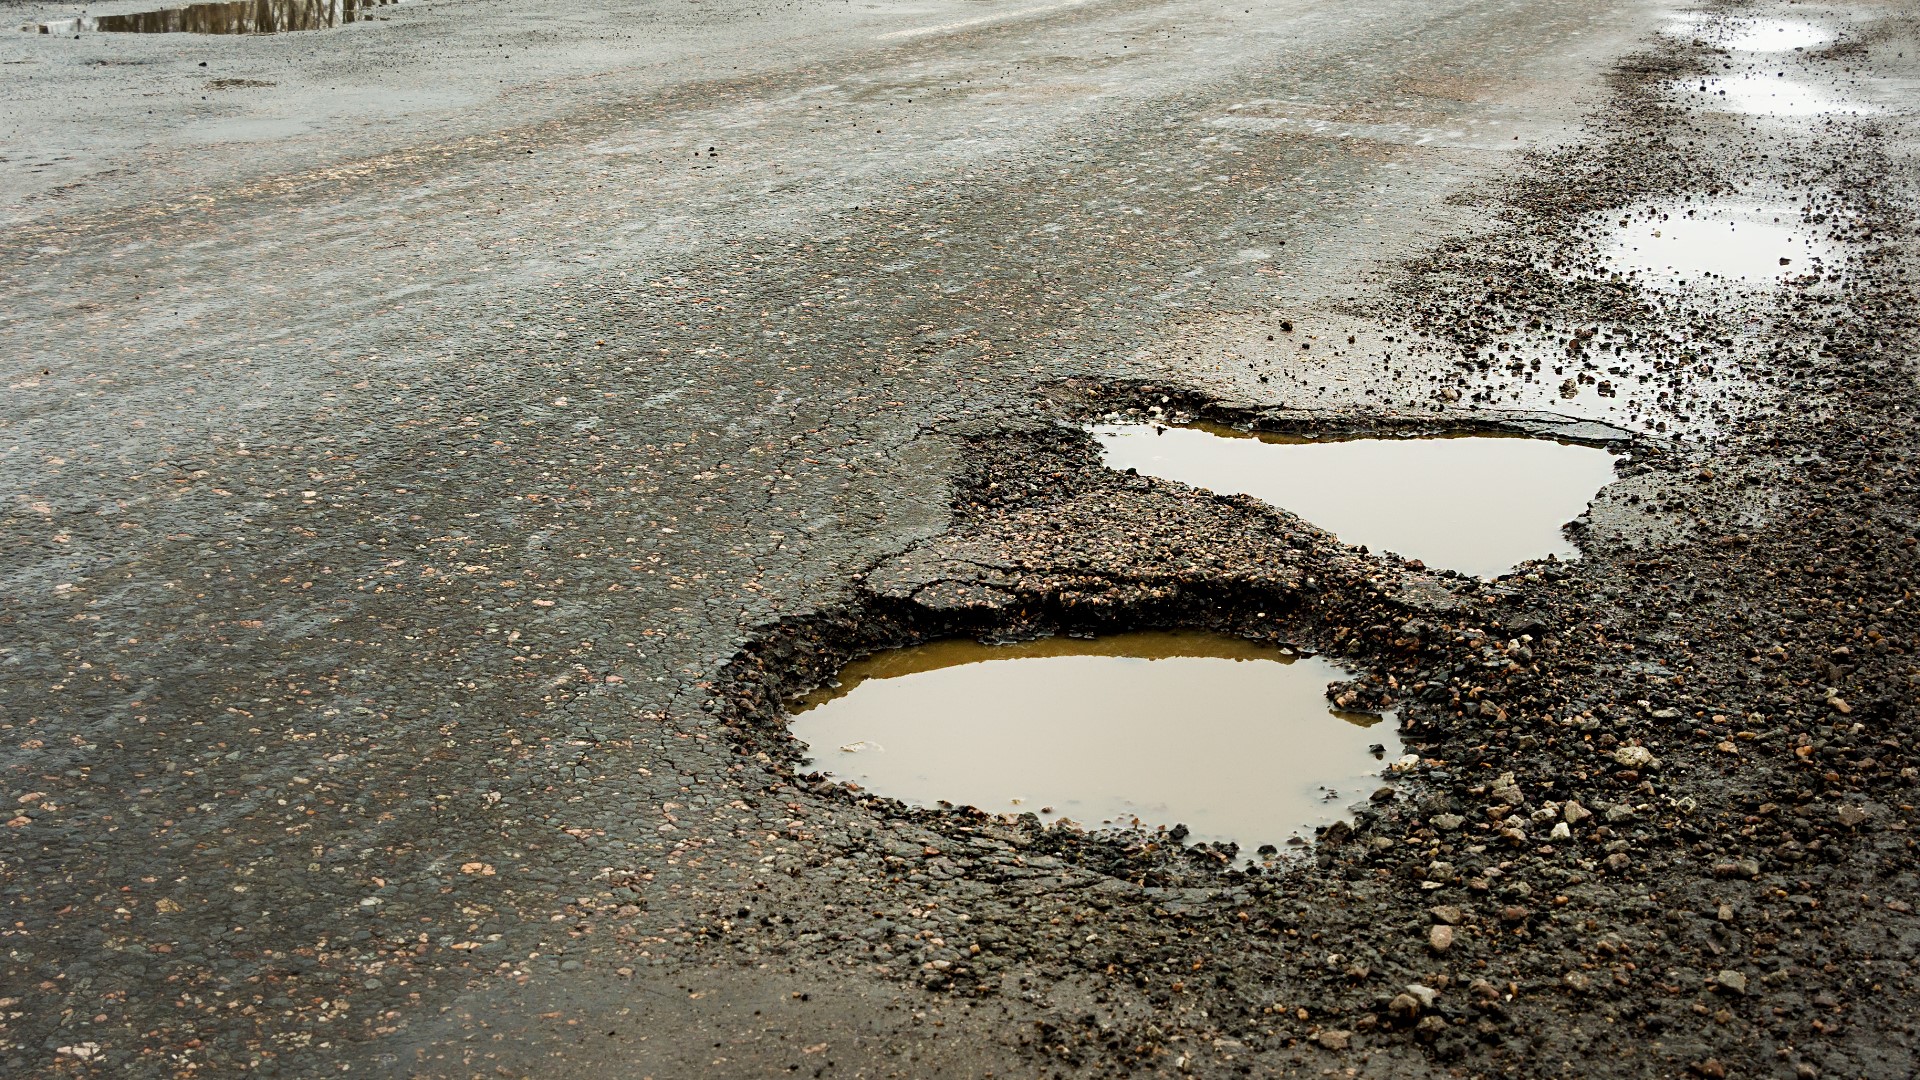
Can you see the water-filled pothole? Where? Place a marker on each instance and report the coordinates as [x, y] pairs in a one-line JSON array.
[[240, 17], [1756, 245], [1758, 93], [1231, 738], [1753, 35], [1479, 504]]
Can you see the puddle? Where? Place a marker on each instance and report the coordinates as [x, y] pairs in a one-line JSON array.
[[1764, 94], [1234, 739], [1748, 244], [242, 17], [1754, 35], [1776, 35], [1478, 504]]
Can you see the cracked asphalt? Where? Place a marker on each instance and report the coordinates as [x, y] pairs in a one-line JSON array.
[[434, 448]]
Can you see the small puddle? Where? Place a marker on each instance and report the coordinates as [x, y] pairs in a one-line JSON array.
[[1754, 35], [1756, 245], [1765, 94], [1479, 504], [241, 17], [1776, 35], [1234, 739]]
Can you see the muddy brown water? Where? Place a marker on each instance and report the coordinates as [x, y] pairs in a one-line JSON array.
[[1479, 504], [241, 17], [1232, 738]]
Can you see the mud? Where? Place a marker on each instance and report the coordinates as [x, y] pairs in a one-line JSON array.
[[428, 496]]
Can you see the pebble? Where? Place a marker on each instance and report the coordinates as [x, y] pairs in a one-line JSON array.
[[1633, 757], [1507, 790]]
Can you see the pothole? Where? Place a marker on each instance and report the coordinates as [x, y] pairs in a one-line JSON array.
[[243, 17], [1233, 739], [1675, 246], [1478, 504]]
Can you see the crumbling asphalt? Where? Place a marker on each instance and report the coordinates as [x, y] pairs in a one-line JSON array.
[[411, 545]]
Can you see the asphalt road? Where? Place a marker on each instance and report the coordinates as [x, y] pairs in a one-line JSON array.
[[407, 424]]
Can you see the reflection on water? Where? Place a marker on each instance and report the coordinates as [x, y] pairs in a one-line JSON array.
[[1477, 504], [1776, 35], [1752, 35], [1765, 94], [1233, 739], [1758, 245], [239, 17]]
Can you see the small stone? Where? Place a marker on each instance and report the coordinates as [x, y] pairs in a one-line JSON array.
[[1560, 832], [1448, 822], [1732, 981], [1507, 790], [1334, 1040], [1633, 757], [1574, 813], [1440, 937], [1711, 1068], [1851, 815], [1577, 981], [1426, 994], [1451, 914], [1404, 1007]]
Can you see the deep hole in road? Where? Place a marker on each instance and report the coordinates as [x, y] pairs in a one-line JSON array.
[[1478, 504], [1212, 737]]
